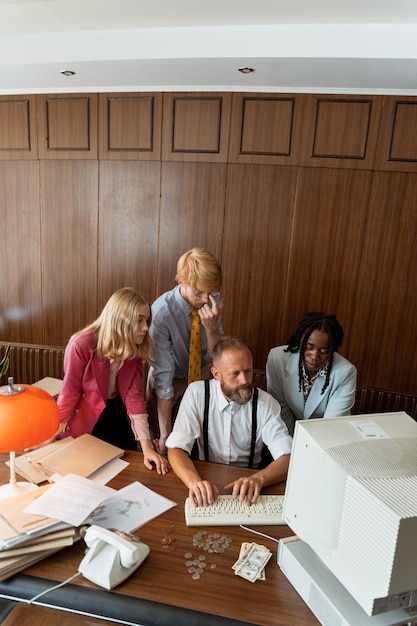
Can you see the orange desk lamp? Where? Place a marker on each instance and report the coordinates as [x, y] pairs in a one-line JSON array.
[[28, 417]]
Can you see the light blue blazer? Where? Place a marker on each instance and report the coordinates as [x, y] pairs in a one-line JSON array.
[[283, 384]]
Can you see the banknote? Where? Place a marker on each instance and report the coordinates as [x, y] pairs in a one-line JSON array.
[[244, 549], [253, 562]]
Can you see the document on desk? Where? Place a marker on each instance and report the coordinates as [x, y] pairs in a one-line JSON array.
[[18, 526], [76, 500], [29, 465], [103, 475], [72, 499], [111, 469], [82, 456], [130, 508], [86, 456]]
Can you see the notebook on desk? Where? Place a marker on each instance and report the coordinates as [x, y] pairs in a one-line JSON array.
[[82, 456]]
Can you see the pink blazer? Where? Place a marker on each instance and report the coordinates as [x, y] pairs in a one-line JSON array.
[[86, 382]]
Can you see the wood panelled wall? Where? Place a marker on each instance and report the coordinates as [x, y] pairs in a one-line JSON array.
[[308, 201]]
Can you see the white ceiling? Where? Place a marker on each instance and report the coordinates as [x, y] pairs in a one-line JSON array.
[[327, 46]]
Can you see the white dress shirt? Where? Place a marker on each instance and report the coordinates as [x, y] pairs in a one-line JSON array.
[[229, 426]]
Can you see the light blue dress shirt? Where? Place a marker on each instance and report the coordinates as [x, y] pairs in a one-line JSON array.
[[170, 333]]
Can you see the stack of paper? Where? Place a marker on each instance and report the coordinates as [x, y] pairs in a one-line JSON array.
[[26, 538], [41, 521], [82, 456], [29, 465]]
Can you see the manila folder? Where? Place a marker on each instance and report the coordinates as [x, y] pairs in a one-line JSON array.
[[83, 456]]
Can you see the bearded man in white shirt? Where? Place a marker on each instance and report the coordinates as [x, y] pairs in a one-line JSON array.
[[235, 433]]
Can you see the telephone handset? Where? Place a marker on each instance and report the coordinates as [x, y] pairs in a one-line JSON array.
[[111, 557]]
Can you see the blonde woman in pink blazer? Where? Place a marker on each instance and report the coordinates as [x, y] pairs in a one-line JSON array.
[[102, 392]]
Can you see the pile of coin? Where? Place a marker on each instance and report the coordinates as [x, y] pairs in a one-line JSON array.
[[169, 541], [195, 566], [212, 543]]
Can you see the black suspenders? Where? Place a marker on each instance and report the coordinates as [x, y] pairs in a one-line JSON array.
[[205, 418], [254, 422], [254, 426]]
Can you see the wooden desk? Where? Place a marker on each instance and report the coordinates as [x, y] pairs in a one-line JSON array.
[[162, 591]]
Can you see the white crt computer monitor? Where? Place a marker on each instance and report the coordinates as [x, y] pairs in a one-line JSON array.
[[351, 495]]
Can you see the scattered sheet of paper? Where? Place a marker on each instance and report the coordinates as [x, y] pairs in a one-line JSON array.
[[131, 507], [71, 499]]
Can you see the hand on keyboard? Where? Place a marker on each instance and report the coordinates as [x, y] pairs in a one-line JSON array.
[[202, 493], [247, 488], [229, 511]]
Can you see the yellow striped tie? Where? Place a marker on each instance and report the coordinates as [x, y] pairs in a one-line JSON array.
[[194, 363]]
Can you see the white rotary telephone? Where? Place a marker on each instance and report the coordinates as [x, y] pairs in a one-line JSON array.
[[112, 556]]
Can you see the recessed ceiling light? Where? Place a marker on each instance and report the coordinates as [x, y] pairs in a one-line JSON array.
[[67, 72], [246, 70]]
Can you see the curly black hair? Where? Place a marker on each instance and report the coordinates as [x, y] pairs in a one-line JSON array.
[[316, 320]]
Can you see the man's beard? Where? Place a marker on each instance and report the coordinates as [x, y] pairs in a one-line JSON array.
[[241, 395]]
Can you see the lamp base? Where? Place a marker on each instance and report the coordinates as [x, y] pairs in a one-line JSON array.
[[15, 489]]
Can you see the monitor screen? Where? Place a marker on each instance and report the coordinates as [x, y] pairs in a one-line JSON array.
[[351, 494]]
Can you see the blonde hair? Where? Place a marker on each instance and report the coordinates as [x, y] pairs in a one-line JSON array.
[[115, 324], [200, 269]]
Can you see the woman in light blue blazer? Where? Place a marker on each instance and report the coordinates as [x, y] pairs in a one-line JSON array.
[[308, 377]]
